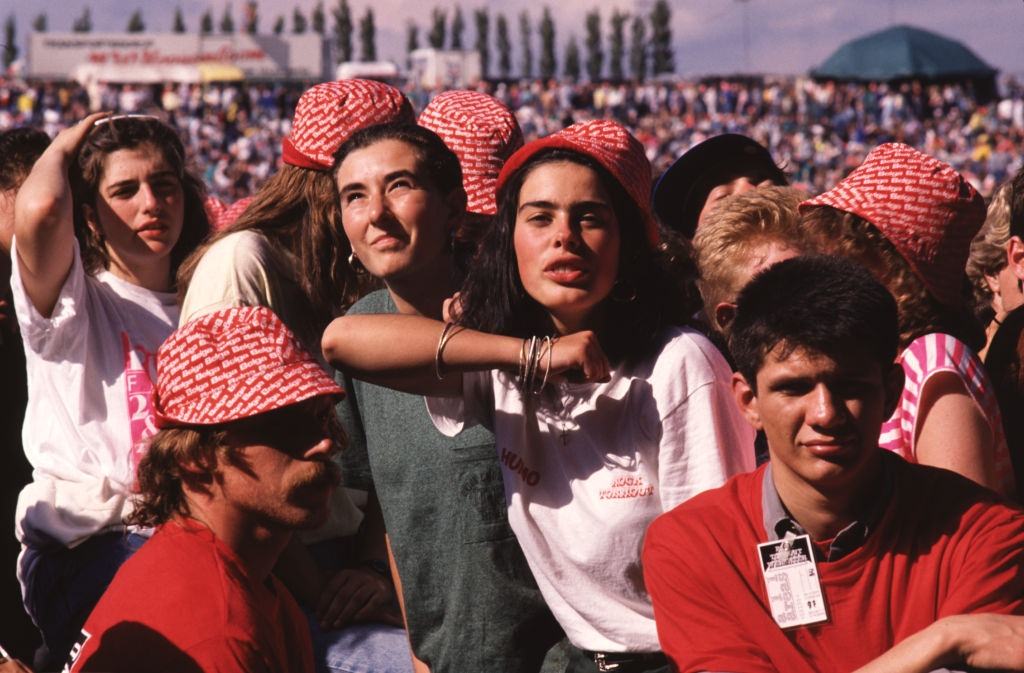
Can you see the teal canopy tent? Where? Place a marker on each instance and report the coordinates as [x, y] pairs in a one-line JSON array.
[[906, 53]]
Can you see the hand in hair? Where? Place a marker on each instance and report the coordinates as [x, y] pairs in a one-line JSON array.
[[44, 220]]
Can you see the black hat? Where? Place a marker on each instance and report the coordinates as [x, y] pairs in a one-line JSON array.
[[682, 190]]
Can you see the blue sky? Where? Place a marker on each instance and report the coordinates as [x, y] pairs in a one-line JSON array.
[[785, 36]]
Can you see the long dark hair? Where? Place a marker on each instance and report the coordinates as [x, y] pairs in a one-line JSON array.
[[644, 301], [131, 133]]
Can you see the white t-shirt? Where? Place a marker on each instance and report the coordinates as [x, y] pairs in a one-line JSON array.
[[586, 470], [244, 269], [91, 367]]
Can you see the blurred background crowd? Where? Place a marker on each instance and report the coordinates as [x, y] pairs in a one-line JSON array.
[[818, 131]]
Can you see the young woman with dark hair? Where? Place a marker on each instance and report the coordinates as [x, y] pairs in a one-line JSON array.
[[591, 447], [102, 222], [641, 304]]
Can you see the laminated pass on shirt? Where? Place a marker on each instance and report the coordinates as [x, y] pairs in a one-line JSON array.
[[139, 373], [791, 581]]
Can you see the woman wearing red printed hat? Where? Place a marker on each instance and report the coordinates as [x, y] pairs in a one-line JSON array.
[[605, 411], [287, 251], [910, 218], [102, 223], [471, 603]]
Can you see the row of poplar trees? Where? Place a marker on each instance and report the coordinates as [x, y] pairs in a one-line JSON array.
[[649, 53]]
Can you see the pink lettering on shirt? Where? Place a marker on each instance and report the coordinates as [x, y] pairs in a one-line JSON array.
[[625, 486], [140, 372], [515, 464]]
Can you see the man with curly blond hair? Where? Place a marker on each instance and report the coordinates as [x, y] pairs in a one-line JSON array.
[[744, 234]]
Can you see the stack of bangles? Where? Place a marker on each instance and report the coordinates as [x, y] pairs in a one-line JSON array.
[[531, 354]]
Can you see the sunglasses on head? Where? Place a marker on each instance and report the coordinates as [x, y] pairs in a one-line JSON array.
[[112, 118]]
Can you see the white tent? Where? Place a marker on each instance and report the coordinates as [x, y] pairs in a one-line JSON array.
[[385, 71]]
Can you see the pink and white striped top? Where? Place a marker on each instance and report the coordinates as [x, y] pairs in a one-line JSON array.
[[929, 355]]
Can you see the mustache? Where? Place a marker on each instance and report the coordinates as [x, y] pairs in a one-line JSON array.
[[321, 474]]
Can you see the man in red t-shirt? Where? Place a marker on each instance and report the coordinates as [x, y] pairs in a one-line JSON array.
[[835, 555], [241, 461]]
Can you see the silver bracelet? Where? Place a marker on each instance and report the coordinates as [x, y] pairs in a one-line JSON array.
[[550, 343], [531, 366], [446, 334]]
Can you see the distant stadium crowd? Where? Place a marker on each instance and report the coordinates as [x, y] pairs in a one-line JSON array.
[[818, 131]]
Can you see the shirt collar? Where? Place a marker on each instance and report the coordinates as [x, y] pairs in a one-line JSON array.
[[779, 524]]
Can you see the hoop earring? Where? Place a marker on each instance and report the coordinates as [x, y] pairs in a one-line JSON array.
[[355, 264]]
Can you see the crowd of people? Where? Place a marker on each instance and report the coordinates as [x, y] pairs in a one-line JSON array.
[[523, 383], [818, 130]]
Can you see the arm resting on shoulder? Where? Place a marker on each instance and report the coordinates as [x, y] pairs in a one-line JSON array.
[[399, 351]]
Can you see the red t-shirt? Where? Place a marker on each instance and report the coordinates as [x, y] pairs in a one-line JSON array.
[[944, 546], [184, 603]]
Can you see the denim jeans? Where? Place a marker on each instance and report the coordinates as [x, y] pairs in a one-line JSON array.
[[63, 585], [360, 648], [356, 648]]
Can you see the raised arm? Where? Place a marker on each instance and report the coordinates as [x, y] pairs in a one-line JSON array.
[[43, 218], [400, 352]]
